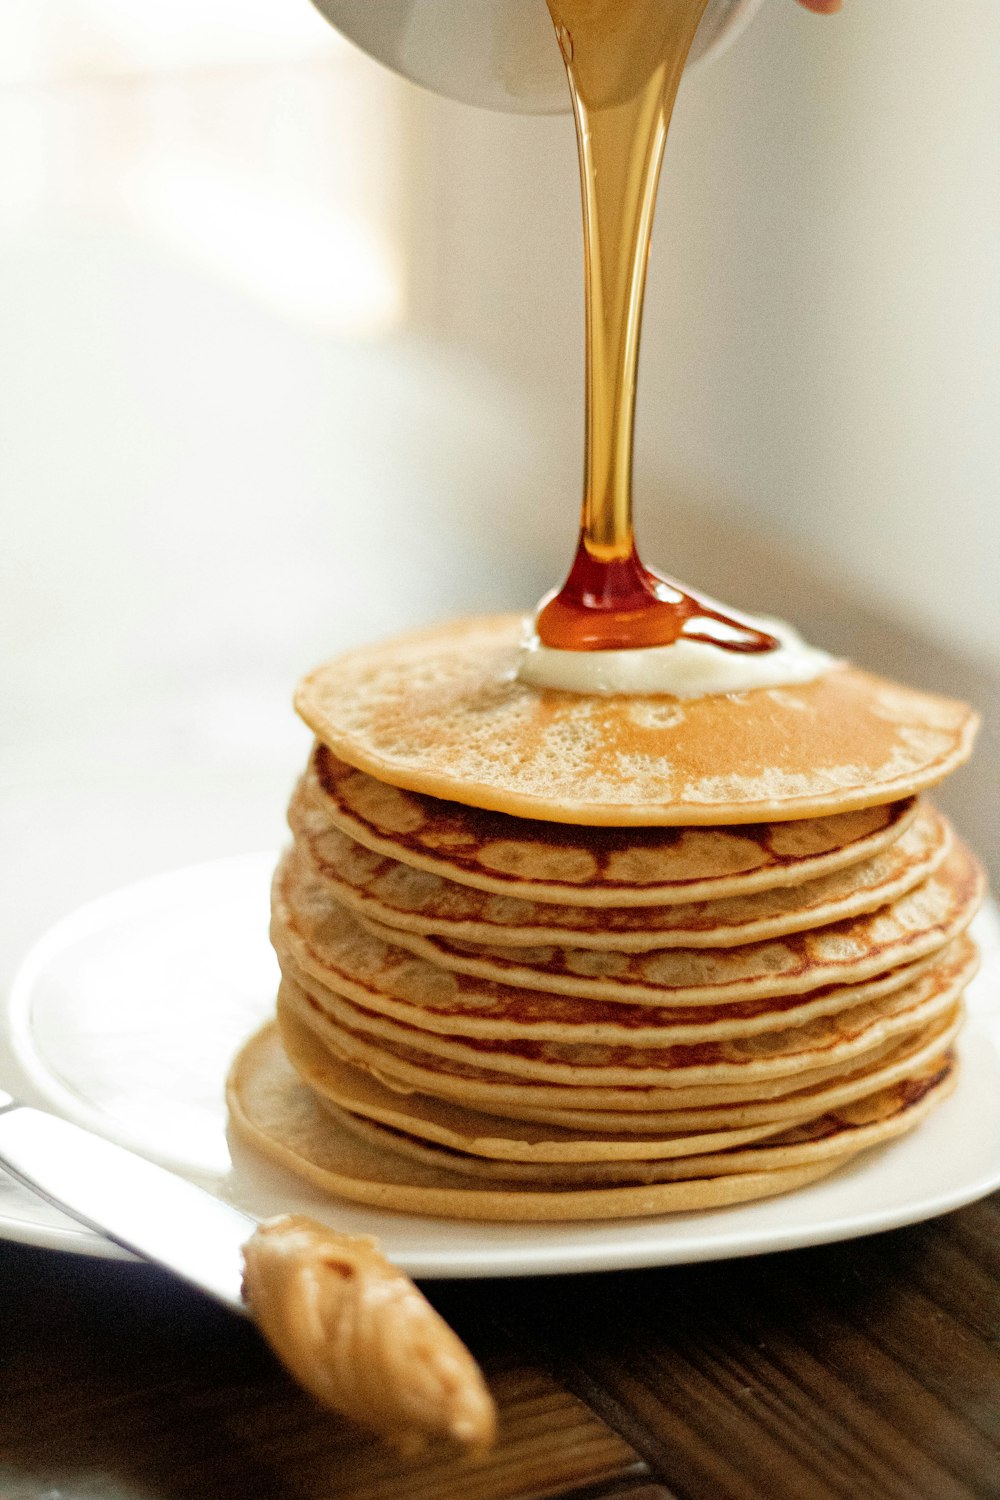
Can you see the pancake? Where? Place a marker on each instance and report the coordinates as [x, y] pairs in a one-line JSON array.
[[476, 1133], [845, 952], [441, 712], [327, 944], [837, 1134], [624, 1116], [827, 1041], [360, 960], [497, 1013], [560, 862], [409, 1068], [325, 949], [273, 1111], [554, 956], [395, 895]]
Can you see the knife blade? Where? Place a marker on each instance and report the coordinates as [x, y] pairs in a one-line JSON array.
[[137, 1204], [175, 1224]]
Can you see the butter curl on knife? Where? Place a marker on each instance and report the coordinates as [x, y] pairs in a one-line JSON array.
[[357, 1334]]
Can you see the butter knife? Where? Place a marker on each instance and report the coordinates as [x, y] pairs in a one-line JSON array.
[[179, 1226], [140, 1206]]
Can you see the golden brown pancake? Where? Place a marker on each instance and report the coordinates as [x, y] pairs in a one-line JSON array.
[[318, 939], [357, 958], [843, 952], [828, 1041], [441, 712], [271, 1107], [397, 896], [410, 1068], [551, 956], [586, 866], [479, 1134], [643, 1113], [325, 949], [839, 1133]]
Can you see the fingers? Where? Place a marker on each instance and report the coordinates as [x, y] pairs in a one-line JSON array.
[[822, 7]]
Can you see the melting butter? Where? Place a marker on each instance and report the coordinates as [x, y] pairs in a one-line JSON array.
[[684, 669]]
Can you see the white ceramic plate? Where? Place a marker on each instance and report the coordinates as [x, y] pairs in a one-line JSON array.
[[125, 1015]]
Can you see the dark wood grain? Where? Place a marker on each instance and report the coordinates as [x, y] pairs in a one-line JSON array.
[[870, 1368], [119, 1383]]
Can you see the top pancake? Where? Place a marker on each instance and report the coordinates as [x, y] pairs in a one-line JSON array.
[[442, 712]]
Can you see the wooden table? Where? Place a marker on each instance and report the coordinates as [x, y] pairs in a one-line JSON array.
[[867, 1370], [858, 1371]]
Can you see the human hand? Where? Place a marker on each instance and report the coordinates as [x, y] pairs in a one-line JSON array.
[[822, 7]]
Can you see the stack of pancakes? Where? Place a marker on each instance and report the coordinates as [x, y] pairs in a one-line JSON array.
[[547, 956]]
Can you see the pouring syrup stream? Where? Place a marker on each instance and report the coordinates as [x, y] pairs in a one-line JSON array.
[[624, 60]]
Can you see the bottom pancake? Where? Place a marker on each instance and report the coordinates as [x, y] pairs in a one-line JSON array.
[[273, 1110]]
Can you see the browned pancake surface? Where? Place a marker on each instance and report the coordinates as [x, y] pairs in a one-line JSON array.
[[274, 1111], [839, 1132], [903, 931], [826, 1042], [590, 866], [647, 1108], [596, 1138], [396, 895]]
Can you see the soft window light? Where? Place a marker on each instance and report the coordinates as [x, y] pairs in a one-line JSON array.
[[244, 134]]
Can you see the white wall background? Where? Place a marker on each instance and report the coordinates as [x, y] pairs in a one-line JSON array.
[[224, 453]]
